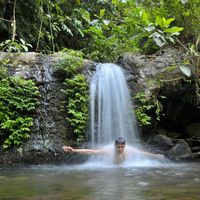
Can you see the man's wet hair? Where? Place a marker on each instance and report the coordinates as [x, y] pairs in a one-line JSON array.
[[120, 140]]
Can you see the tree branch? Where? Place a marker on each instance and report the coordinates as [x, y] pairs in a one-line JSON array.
[[14, 22], [6, 20]]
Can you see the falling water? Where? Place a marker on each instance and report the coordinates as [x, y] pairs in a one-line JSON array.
[[111, 109]]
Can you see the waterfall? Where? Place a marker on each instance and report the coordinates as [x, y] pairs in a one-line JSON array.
[[111, 109]]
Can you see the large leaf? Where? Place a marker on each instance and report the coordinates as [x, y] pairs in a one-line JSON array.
[[185, 70], [78, 2], [86, 15], [184, 1], [159, 21], [145, 17], [150, 28], [168, 22], [173, 29], [159, 42], [158, 39], [114, 2], [102, 13]]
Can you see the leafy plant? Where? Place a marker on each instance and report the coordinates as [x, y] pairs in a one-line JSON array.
[[161, 31], [70, 63], [110, 34], [14, 46], [77, 104], [146, 108], [76, 91], [3, 68], [101, 29], [140, 112], [17, 98]]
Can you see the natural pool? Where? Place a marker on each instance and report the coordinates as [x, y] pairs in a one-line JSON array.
[[86, 182]]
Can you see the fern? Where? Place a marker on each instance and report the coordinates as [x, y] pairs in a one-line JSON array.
[[77, 104], [17, 98]]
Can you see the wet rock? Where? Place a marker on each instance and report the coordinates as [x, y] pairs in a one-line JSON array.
[[161, 142], [179, 151]]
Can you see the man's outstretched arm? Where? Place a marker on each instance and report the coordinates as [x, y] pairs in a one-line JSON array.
[[84, 151], [145, 153], [159, 156]]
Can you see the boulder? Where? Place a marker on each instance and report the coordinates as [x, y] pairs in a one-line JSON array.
[[180, 150], [160, 141]]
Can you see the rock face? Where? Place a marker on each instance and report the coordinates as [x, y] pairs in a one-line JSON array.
[[166, 75], [160, 141], [153, 75], [50, 130], [148, 73], [179, 151]]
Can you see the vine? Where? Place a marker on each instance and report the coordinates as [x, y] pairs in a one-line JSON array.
[[76, 91], [18, 97], [77, 104], [146, 107]]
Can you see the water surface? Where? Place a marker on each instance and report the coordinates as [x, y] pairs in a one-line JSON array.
[[87, 182]]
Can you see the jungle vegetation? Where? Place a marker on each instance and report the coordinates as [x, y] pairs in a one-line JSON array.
[[101, 29]]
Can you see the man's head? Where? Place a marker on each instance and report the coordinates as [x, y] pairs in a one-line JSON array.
[[120, 144]]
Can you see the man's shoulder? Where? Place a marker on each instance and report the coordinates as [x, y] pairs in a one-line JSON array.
[[132, 149], [107, 150]]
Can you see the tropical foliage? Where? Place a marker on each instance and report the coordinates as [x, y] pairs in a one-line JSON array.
[[148, 110], [101, 29], [70, 63], [76, 91], [18, 97], [77, 104]]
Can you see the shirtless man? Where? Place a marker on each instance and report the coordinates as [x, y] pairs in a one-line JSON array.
[[119, 153]]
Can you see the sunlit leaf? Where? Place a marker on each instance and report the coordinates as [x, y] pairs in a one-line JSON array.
[[22, 41], [173, 29], [86, 16], [163, 22], [150, 28], [115, 1], [169, 21], [145, 17], [158, 39], [106, 22], [159, 21], [185, 70], [102, 13], [78, 2], [184, 1]]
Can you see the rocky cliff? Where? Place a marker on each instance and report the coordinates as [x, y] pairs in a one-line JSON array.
[[155, 75]]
